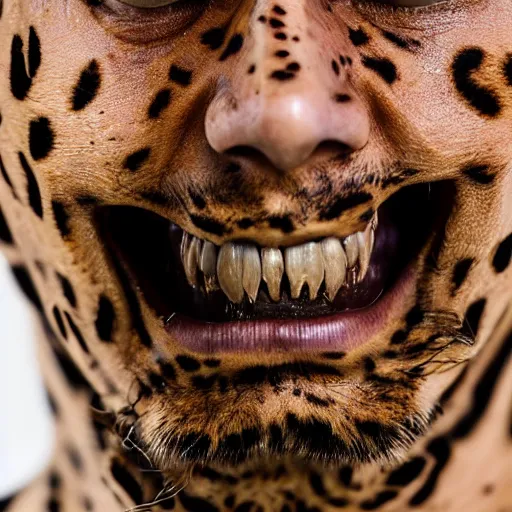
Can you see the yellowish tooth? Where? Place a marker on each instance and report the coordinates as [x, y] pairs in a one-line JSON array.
[[230, 271], [372, 241], [294, 269], [251, 271], [314, 268], [208, 266], [335, 262], [365, 242], [303, 264], [375, 220], [351, 246], [272, 264], [185, 242], [190, 249]]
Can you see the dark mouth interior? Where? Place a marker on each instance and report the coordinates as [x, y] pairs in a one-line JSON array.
[[148, 247]]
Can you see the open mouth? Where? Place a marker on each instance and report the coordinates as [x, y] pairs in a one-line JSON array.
[[329, 294]]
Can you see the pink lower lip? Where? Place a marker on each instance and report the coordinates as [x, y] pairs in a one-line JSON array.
[[341, 332]]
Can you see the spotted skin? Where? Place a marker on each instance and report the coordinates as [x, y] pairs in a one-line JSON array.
[[106, 105]]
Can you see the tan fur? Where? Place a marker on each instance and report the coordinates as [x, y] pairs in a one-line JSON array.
[[422, 121]]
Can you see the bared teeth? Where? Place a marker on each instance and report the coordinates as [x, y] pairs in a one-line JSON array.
[[251, 276], [238, 269], [272, 264], [208, 266], [335, 263], [304, 264], [295, 269], [365, 241], [190, 248], [351, 247], [315, 276], [230, 271]]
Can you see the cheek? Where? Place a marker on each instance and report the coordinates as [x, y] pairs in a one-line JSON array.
[[99, 126], [426, 97], [457, 94]]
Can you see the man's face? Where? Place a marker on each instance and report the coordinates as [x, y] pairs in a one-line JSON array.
[[284, 223]]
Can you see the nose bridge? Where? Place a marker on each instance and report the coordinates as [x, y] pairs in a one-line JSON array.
[[286, 41], [278, 36], [292, 88], [295, 50]]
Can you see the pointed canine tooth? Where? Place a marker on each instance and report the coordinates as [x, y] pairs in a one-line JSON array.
[[185, 242], [272, 265], [365, 243], [208, 259], [375, 220], [208, 266], [294, 269], [351, 247], [190, 247], [315, 268], [230, 270], [335, 262], [304, 264], [251, 271]]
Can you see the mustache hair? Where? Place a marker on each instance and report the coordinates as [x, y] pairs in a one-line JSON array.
[[451, 343], [123, 424]]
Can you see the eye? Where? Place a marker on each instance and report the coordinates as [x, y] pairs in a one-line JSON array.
[[148, 4]]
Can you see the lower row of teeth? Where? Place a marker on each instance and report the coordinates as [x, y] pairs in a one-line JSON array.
[[239, 269]]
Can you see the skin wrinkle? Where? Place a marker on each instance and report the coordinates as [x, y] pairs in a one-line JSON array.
[[251, 145]]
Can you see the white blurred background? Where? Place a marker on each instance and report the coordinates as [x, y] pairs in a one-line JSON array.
[[26, 430]]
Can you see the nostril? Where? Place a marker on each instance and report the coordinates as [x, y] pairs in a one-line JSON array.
[[333, 148], [251, 154], [342, 98], [243, 151], [327, 148]]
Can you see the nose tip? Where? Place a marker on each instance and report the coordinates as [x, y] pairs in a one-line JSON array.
[[288, 128], [285, 132]]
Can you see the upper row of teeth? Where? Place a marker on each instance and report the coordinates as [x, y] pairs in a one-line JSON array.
[[238, 269]]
